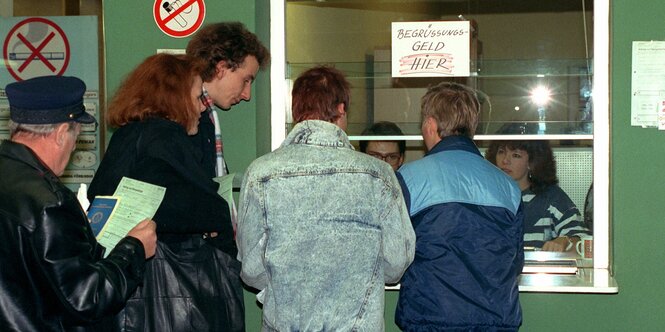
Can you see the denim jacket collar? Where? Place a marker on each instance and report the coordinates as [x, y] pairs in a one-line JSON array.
[[318, 132], [456, 142]]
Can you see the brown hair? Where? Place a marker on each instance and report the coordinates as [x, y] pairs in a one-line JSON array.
[[317, 92], [158, 87], [455, 108], [542, 167], [230, 42]]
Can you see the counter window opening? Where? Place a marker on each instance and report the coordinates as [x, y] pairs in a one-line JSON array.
[[541, 70]]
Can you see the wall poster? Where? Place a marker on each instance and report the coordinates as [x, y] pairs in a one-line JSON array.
[[55, 45], [647, 105]]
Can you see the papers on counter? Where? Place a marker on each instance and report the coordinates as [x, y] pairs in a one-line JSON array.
[[550, 262], [555, 267]]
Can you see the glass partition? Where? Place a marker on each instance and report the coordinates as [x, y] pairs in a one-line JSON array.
[[554, 99], [532, 64]]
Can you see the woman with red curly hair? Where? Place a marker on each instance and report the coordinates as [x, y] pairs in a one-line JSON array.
[[155, 110]]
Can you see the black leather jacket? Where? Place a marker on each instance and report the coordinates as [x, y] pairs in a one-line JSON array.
[[52, 275]]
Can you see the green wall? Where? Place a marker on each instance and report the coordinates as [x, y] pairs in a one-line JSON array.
[[636, 157], [262, 88], [637, 219], [132, 35]]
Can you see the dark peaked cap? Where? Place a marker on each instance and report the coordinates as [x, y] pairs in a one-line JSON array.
[[47, 100]]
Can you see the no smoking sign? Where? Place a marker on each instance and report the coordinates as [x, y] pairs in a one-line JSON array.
[[179, 18], [36, 47]]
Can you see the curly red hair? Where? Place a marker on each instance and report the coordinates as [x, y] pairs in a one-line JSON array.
[[158, 87]]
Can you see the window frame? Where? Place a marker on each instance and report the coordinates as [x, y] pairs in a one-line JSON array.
[[602, 271]]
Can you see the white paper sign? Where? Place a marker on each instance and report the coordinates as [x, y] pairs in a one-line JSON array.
[[431, 49], [647, 83], [661, 115]]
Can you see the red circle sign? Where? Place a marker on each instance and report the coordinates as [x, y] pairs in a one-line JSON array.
[[36, 47], [179, 18]]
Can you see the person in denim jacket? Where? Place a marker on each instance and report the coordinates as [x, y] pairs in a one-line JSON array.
[[322, 227]]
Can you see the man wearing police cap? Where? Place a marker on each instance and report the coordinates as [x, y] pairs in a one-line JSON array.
[[52, 275]]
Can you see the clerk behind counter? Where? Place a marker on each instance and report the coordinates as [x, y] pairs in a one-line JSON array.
[[552, 222]]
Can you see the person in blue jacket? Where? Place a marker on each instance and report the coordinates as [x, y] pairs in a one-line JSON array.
[[468, 222]]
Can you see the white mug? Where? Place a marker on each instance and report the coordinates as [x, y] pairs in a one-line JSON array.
[[584, 246]]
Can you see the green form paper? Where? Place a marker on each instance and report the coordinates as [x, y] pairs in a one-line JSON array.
[[137, 200], [226, 189]]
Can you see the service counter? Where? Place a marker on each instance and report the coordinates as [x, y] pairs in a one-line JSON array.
[[585, 279]]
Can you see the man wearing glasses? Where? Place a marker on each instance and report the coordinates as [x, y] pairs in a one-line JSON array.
[[391, 152]]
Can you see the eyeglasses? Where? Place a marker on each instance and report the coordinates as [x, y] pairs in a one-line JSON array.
[[390, 158]]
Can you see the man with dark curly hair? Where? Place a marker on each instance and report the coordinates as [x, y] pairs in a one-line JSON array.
[[233, 55]]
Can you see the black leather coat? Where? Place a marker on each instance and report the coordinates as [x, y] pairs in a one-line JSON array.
[[189, 285], [52, 275], [158, 151]]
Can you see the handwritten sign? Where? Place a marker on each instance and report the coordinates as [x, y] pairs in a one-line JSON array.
[[430, 49]]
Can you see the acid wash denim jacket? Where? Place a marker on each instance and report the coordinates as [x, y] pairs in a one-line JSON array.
[[321, 229]]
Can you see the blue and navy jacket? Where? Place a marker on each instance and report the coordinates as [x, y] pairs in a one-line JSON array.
[[469, 242]]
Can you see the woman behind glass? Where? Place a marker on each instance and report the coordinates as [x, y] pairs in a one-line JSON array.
[[155, 109], [551, 219]]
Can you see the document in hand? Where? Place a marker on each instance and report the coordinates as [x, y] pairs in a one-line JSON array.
[[226, 190], [112, 217], [100, 211]]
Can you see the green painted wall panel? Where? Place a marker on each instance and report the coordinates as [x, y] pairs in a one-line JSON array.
[[637, 160], [263, 129], [132, 35]]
